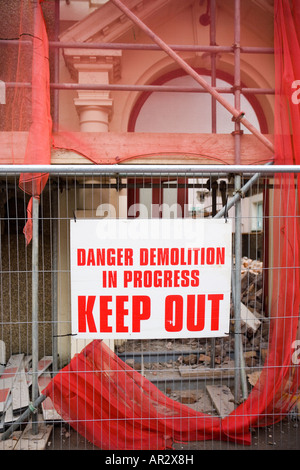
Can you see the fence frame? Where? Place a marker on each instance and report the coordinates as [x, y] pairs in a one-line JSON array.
[[188, 171]]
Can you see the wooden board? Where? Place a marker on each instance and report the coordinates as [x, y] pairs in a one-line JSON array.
[[8, 378], [2, 357], [29, 441], [249, 320], [222, 399], [49, 412], [11, 442], [43, 365], [19, 391], [206, 372]]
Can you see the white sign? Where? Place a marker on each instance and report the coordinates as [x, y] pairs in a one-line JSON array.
[[150, 278]]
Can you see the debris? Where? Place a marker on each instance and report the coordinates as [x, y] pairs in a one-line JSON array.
[[49, 412], [190, 359], [222, 399], [30, 441], [8, 378], [253, 377], [187, 397], [2, 357], [11, 442], [204, 358], [249, 320], [250, 358], [15, 384]]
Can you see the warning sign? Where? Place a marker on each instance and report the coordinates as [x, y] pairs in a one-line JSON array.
[[150, 278]]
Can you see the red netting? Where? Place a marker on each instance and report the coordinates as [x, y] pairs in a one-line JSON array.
[[27, 107], [115, 407], [105, 400]]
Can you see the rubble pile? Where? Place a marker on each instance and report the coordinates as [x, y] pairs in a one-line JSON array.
[[198, 352]]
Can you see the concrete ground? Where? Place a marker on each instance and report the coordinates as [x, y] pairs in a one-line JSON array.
[[281, 436]]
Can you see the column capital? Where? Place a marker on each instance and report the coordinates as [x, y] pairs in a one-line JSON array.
[[93, 60], [94, 66]]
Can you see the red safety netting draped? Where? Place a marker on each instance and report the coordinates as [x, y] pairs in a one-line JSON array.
[[116, 408], [38, 149], [26, 118], [277, 389]]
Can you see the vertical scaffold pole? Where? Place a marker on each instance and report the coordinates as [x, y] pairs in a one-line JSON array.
[[35, 306], [237, 185], [238, 352], [213, 117]]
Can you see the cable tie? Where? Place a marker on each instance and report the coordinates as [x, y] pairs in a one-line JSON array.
[[32, 408]]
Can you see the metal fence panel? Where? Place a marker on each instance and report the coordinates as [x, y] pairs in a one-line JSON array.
[[209, 375]]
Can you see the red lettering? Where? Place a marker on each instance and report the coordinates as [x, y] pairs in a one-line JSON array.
[[90, 258], [121, 311], [128, 256], [137, 279], [112, 278], [80, 257], [196, 255], [157, 281], [195, 278], [176, 278], [104, 313], [148, 279], [127, 278], [220, 255], [215, 310], [152, 256], [141, 310], [119, 257], [174, 256], [202, 256], [143, 256], [85, 314], [168, 279], [100, 256], [195, 322], [163, 256], [110, 257], [185, 279], [210, 256], [173, 316]]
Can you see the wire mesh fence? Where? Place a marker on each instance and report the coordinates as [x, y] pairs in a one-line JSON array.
[[212, 376]]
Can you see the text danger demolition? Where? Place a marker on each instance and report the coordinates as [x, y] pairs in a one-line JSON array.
[[184, 271]]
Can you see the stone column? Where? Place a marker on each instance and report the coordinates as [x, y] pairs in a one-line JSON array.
[[94, 67], [95, 108]]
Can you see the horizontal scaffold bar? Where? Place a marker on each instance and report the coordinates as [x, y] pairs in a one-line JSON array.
[[158, 170]]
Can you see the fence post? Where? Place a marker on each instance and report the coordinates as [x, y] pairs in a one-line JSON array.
[[35, 305], [237, 281], [54, 205]]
